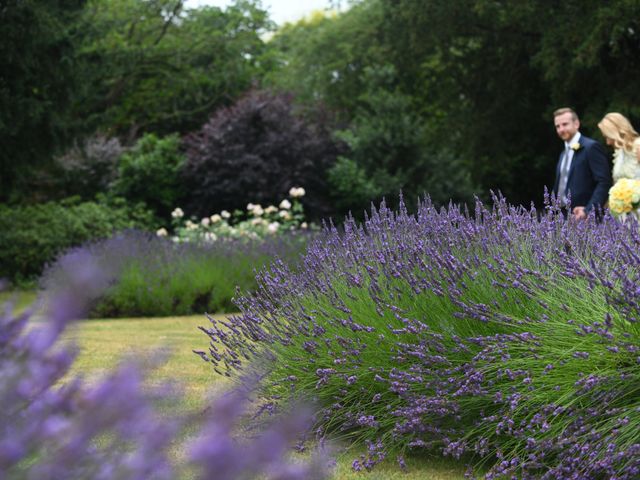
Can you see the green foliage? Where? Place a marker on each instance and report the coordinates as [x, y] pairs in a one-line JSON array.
[[154, 66], [123, 67], [31, 236], [351, 186], [389, 151], [37, 79], [482, 77], [149, 173], [323, 58], [479, 80], [598, 70]]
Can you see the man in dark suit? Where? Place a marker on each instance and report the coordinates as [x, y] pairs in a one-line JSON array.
[[583, 171]]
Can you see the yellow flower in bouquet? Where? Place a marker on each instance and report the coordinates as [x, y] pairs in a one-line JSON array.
[[624, 196]]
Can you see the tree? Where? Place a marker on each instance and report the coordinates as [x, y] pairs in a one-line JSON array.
[[323, 58], [468, 66], [389, 152], [37, 79], [597, 70], [154, 66]]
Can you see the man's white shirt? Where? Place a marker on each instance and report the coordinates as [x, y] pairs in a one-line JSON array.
[[566, 160]]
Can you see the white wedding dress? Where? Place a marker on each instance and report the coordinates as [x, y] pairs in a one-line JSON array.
[[626, 165]]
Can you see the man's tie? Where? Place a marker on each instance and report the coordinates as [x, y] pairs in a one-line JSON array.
[[564, 177]]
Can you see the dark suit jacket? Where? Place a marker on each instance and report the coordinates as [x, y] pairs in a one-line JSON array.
[[589, 176]]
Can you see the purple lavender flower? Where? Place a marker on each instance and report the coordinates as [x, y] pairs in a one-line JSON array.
[[111, 428], [509, 333], [155, 276]]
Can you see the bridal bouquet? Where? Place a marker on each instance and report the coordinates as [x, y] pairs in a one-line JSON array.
[[624, 197]]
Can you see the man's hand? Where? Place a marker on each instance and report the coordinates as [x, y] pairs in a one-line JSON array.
[[579, 213]]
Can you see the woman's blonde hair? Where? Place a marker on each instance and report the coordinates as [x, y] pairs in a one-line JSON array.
[[619, 129]]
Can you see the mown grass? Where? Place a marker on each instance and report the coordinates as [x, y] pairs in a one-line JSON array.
[[103, 343], [21, 299]]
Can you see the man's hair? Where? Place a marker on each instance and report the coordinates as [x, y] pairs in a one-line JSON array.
[[563, 110]]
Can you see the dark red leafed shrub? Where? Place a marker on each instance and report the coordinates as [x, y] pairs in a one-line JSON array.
[[258, 148]]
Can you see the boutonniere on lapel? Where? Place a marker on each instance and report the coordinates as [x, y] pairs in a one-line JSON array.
[[576, 146]]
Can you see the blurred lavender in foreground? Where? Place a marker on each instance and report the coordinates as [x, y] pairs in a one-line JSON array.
[[111, 429]]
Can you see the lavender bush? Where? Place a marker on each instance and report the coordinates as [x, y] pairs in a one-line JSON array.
[[157, 277], [507, 337], [111, 429]]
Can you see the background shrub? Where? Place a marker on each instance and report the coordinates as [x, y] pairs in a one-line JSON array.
[[31, 236], [258, 149], [89, 168], [149, 173], [157, 277]]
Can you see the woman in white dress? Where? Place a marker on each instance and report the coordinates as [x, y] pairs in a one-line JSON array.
[[620, 134]]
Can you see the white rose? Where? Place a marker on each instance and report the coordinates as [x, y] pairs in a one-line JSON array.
[[210, 237], [296, 192], [250, 207], [177, 213], [162, 232], [205, 222], [285, 204], [304, 225], [284, 214], [257, 211], [225, 214], [190, 225], [271, 209], [215, 218], [273, 227], [257, 221]]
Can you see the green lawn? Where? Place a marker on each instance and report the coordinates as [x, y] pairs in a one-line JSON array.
[[21, 299], [103, 342]]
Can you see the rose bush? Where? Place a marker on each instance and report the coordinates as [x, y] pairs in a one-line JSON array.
[[255, 223]]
